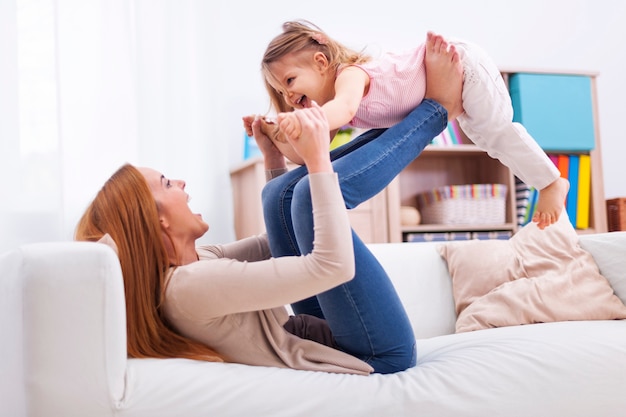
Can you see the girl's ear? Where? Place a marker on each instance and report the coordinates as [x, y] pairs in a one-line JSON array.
[[320, 61]]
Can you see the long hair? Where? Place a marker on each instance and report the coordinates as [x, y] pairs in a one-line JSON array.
[[302, 35], [126, 210]]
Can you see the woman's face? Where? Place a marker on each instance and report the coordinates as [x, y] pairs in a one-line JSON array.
[[174, 212]]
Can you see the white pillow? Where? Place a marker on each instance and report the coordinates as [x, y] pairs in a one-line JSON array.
[[609, 252]]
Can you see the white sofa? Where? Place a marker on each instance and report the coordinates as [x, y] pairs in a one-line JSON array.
[[62, 325]]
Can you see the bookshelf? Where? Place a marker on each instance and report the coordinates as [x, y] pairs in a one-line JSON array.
[[370, 220], [379, 219]]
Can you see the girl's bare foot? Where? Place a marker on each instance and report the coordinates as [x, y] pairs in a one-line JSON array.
[[444, 74], [551, 203]]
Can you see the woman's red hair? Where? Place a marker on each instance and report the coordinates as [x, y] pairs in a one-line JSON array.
[[126, 210]]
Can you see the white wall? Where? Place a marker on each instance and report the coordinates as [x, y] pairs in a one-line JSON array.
[[201, 60], [569, 35]]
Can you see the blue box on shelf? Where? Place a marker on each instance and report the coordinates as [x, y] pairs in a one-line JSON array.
[[555, 109]]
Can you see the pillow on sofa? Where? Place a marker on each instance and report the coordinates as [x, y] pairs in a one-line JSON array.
[[609, 252], [536, 276]]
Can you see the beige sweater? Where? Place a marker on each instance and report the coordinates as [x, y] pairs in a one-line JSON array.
[[233, 298]]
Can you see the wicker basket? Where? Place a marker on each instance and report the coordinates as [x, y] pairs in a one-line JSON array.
[[616, 214], [464, 204]]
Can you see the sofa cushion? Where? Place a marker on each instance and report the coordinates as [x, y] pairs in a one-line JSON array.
[[536, 276], [608, 249]]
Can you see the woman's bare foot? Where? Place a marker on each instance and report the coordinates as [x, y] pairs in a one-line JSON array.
[[551, 203], [444, 74]]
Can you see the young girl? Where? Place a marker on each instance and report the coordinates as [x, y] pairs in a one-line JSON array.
[[303, 64]]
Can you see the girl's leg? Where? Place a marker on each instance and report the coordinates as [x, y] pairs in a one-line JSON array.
[[488, 120], [368, 169]]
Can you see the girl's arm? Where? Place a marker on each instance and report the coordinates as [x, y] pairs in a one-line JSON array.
[[350, 87]]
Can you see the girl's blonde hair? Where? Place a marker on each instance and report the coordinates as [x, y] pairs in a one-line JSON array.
[[126, 210], [302, 35]]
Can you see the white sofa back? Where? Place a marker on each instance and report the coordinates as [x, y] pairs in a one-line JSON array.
[[421, 278]]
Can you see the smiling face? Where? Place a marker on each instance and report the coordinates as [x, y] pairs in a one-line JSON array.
[[172, 202], [301, 77]]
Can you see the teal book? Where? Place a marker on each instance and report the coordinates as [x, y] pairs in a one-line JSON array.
[[555, 109], [571, 204], [250, 147]]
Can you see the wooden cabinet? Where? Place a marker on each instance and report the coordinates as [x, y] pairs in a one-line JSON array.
[[447, 165], [378, 220], [371, 220]]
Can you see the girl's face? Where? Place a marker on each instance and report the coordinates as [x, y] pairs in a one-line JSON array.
[[172, 202], [302, 77]]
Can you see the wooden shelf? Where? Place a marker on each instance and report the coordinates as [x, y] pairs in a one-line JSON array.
[[378, 220]]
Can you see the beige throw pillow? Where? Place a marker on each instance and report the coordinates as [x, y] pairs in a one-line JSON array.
[[536, 276]]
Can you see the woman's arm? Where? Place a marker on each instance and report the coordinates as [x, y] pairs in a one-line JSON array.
[[214, 288]]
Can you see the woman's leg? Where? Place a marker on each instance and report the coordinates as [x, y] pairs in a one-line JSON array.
[[277, 194], [365, 315], [276, 198], [369, 168]]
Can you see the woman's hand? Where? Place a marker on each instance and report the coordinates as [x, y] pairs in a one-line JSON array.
[[312, 143]]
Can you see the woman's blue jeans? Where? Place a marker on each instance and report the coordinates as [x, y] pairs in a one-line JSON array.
[[365, 315]]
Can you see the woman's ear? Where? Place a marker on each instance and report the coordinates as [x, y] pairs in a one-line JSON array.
[[164, 223]]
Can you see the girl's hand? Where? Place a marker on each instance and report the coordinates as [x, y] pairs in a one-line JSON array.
[[289, 125], [247, 124], [271, 154], [312, 143]]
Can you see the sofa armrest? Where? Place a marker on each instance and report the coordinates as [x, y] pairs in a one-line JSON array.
[[63, 316]]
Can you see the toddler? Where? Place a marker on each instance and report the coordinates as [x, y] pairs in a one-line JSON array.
[[303, 64]]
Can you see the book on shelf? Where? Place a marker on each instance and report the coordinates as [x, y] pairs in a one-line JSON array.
[[563, 165], [250, 147], [556, 109], [576, 168], [571, 201], [451, 135], [584, 192], [522, 197], [526, 201], [457, 236]]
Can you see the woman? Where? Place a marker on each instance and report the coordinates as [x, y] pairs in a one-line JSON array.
[[182, 299]]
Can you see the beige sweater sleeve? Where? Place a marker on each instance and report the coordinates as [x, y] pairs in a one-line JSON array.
[[213, 288]]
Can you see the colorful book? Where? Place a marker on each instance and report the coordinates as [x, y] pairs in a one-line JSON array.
[[584, 191], [522, 196], [571, 202], [459, 236], [554, 158], [563, 165], [454, 125], [495, 234], [557, 110], [427, 237], [250, 147], [532, 205]]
